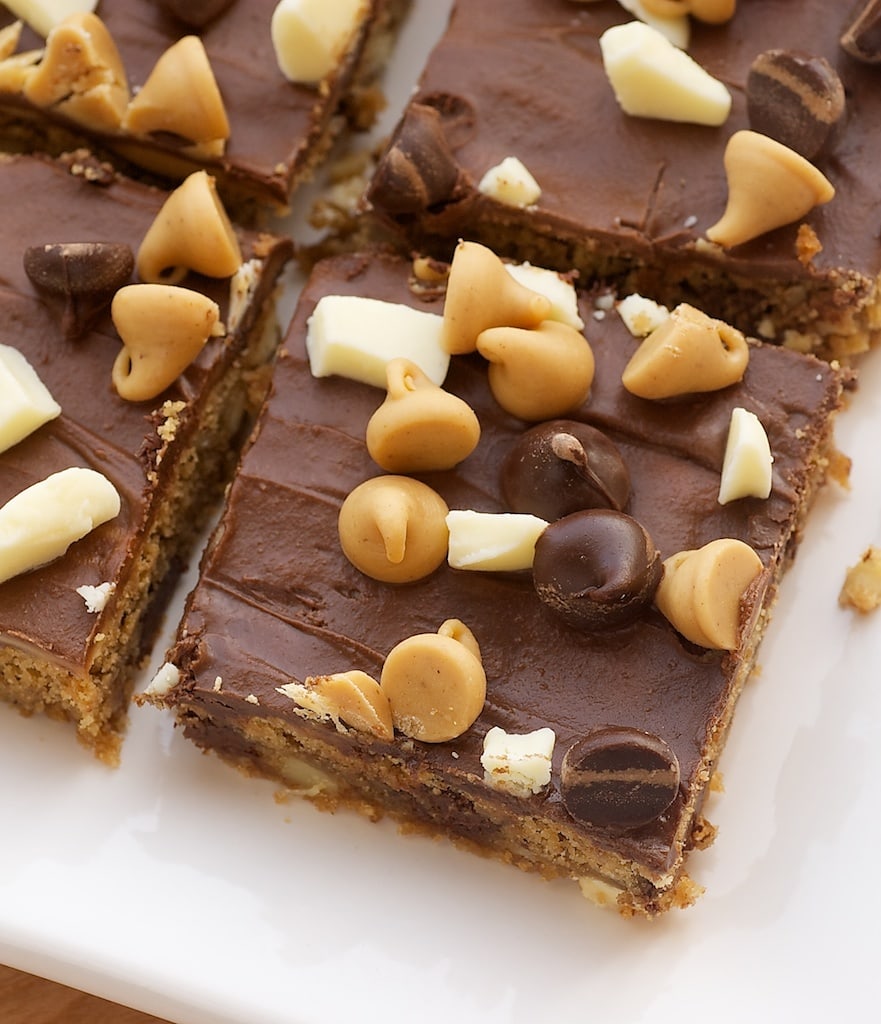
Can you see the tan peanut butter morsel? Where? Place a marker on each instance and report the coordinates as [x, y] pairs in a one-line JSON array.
[[538, 374], [482, 294], [192, 231], [163, 328], [769, 185], [352, 697], [690, 352], [701, 591], [9, 38], [81, 74], [713, 12], [181, 96], [420, 427], [435, 683], [393, 529]]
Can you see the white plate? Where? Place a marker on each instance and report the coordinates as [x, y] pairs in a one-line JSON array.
[[181, 888]]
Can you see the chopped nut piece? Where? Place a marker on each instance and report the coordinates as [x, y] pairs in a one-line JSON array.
[[164, 681], [538, 374], [40, 523], [747, 468], [641, 316], [392, 528], [356, 338], [701, 591], [25, 401], [9, 37], [353, 698], [310, 36], [481, 294], [653, 78], [492, 541], [181, 96], [510, 183], [163, 328], [17, 69], [44, 15], [419, 426], [517, 764], [435, 684], [862, 583], [690, 352], [191, 232], [81, 74], [96, 597], [769, 185]]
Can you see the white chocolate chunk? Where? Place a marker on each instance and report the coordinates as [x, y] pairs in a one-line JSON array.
[[40, 523], [310, 36], [493, 541], [747, 466], [96, 597], [165, 680], [44, 15], [510, 183], [518, 764], [599, 892], [676, 28], [560, 291], [357, 337], [640, 315], [652, 78], [25, 402]]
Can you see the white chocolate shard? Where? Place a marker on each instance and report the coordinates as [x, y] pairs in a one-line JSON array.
[[492, 541], [560, 291], [747, 466], [652, 78], [310, 36], [640, 315], [96, 598], [676, 28], [25, 402], [164, 681], [510, 183], [40, 523], [44, 15], [518, 764], [357, 337]]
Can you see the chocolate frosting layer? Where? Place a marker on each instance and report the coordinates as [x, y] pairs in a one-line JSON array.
[[44, 203], [526, 79], [278, 601]]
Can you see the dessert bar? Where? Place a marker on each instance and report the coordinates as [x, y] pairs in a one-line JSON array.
[[516, 137], [92, 397], [573, 738]]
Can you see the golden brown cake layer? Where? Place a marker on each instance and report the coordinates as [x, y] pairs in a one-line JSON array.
[[277, 601]]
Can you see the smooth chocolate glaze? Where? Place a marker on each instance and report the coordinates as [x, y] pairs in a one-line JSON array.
[[43, 203], [526, 79], [277, 599]]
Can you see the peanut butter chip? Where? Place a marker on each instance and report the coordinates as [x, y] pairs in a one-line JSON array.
[[393, 528], [690, 352], [435, 684], [419, 426], [353, 697], [191, 232], [713, 12], [769, 185], [482, 294], [702, 591], [163, 329], [538, 374]]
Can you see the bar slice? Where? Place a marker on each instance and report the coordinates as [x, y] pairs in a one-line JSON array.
[[277, 601], [167, 457]]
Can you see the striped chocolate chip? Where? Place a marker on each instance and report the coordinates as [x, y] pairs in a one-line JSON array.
[[795, 98], [619, 777]]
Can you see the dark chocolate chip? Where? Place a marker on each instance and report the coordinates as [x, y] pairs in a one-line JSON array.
[[196, 13], [418, 169], [619, 777], [82, 276], [795, 98], [862, 38], [563, 466], [597, 569]]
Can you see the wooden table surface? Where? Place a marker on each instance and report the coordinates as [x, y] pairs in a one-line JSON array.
[[25, 999]]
